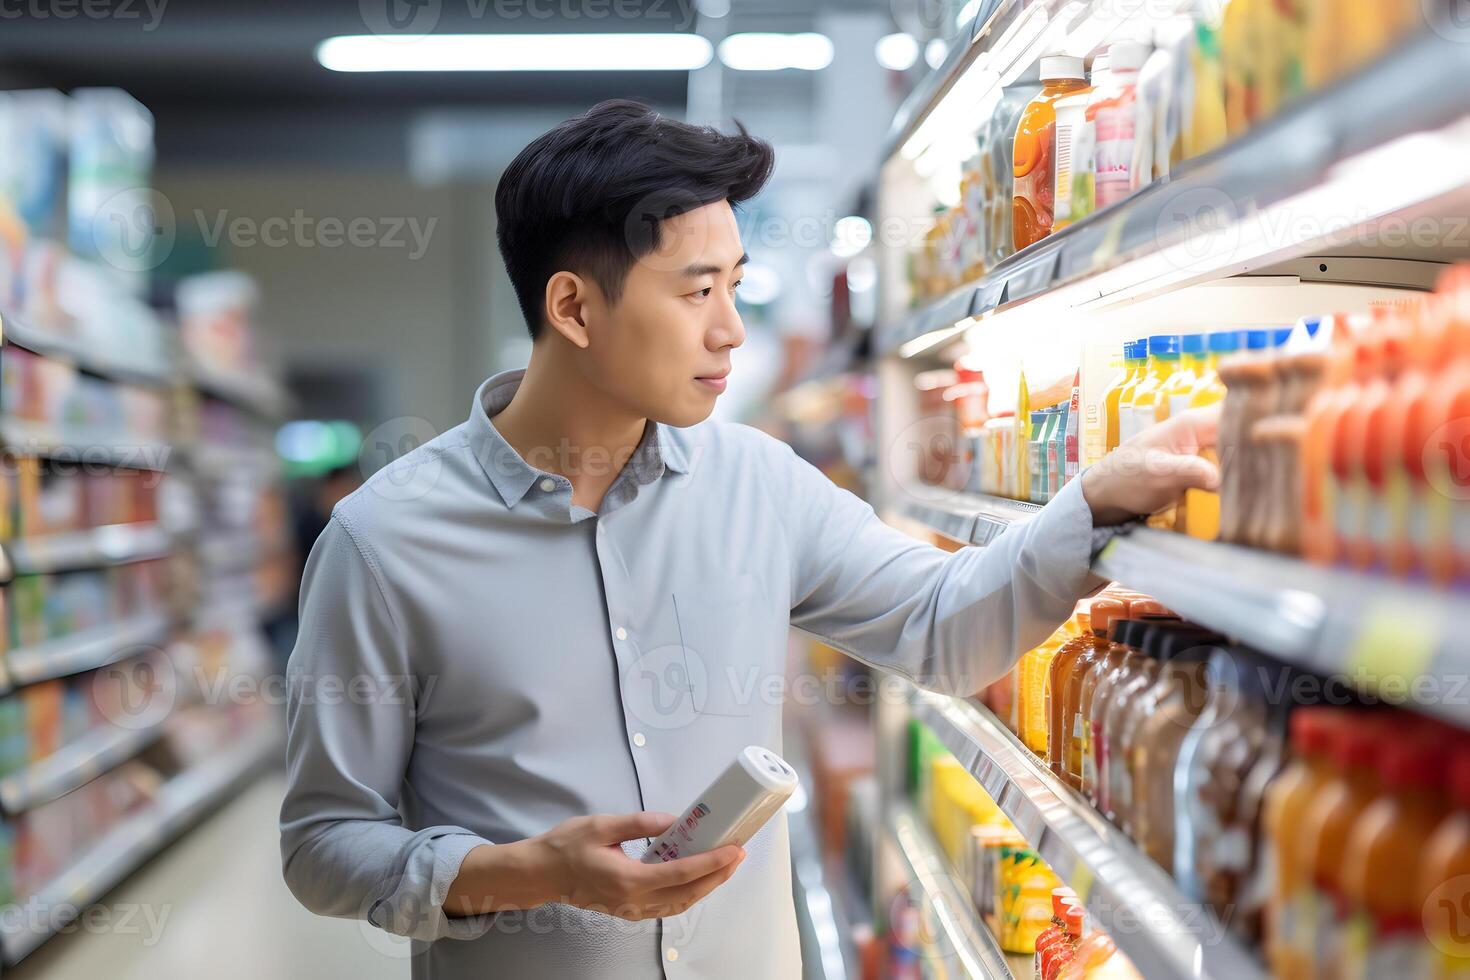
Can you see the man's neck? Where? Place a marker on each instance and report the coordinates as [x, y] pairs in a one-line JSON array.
[[558, 422]]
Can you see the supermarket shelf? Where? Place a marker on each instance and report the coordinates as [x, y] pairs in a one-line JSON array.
[[1327, 620], [113, 544], [969, 518], [74, 443], [967, 941], [86, 650], [223, 461], [73, 764], [181, 802], [1119, 885], [256, 394], [72, 350], [1416, 89], [819, 909]]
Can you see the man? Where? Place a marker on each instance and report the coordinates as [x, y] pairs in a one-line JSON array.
[[587, 587]]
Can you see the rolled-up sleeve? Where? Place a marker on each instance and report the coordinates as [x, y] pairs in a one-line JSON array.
[[344, 849], [949, 622]]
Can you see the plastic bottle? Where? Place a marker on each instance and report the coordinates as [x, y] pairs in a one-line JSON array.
[[1384, 922], [1155, 110], [1353, 494], [1202, 507], [1246, 377], [1447, 532], [997, 171], [1405, 434], [1205, 126], [1181, 697], [1034, 154], [1126, 638], [1054, 939], [1327, 820], [1324, 411], [1135, 361], [1163, 361], [1102, 666], [1034, 681], [1179, 389], [1075, 925], [1075, 172], [1289, 947], [1100, 617], [1444, 870], [1114, 115]]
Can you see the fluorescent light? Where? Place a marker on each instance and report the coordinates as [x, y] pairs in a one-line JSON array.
[[935, 52], [862, 274], [759, 284], [934, 338], [776, 52], [898, 52], [516, 52]]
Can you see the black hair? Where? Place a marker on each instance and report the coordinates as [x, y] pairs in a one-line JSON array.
[[590, 195]]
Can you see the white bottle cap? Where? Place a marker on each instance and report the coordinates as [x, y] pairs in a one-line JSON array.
[[1127, 55], [1056, 67]]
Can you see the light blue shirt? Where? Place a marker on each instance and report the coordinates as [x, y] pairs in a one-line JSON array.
[[480, 659]]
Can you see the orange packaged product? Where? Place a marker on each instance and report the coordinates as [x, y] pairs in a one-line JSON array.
[[1062, 664], [1074, 737], [1034, 197], [1289, 947], [1363, 434], [1444, 880], [1328, 819], [1383, 935], [1104, 665], [1405, 433], [1447, 465], [1325, 410]]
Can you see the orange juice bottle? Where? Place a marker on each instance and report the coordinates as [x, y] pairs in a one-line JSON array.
[[1111, 658], [1193, 361], [1100, 613], [1365, 443], [1135, 359], [1326, 823], [1319, 481], [1163, 361], [1445, 448], [1313, 730], [1035, 150], [1074, 732], [1034, 680], [1202, 507], [1444, 880], [1383, 933], [1405, 434], [1346, 492]]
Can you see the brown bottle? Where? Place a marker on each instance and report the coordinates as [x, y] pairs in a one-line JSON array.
[[1137, 609], [1181, 699], [1062, 665], [1070, 692]]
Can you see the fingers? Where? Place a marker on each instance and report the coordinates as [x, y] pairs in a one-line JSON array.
[[672, 874], [615, 828], [1196, 473], [681, 897], [1199, 428]]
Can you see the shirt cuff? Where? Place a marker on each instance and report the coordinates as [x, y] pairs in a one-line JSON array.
[[415, 908], [1064, 538]]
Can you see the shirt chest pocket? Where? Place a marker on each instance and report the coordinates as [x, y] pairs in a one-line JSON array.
[[716, 651]]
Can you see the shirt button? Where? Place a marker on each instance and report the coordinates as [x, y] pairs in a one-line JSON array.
[[548, 484], [671, 954], [622, 634], [639, 740]]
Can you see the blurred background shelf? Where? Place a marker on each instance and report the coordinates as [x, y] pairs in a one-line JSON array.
[[75, 763], [87, 649], [93, 547]]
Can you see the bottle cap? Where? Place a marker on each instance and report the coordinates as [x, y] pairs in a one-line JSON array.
[[1164, 344], [1225, 342], [1312, 728], [1076, 918], [1280, 336], [1257, 339], [1138, 608], [1358, 743], [1194, 343], [1103, 612], [1127, 55], [1416, 761], [1059, 67], [1060, 899]]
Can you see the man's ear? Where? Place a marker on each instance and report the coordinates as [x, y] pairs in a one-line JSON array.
[[567, 296]]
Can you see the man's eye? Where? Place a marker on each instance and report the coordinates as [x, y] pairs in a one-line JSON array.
[[737, 285]]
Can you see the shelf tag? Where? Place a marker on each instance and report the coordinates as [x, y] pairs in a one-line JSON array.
[[1393, 644], [1081, 882]]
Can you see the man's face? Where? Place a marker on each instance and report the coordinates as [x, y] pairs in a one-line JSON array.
[[664, 348]]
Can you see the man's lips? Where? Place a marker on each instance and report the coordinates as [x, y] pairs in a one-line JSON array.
[[716, 381]]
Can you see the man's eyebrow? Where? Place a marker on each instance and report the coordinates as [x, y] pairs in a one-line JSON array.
[[695, 271]]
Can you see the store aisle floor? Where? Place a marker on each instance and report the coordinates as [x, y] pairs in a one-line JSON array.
[[219, 908]]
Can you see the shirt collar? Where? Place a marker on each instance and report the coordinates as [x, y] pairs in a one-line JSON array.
[[660, 450]]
